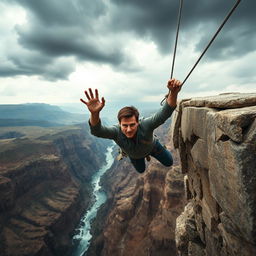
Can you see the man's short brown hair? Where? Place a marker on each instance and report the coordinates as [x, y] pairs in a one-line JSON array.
[[127, 112]]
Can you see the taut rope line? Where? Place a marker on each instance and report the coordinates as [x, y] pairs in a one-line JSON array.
[[177, 37]]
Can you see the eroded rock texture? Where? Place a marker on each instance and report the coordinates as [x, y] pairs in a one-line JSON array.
[[216, 137], [44, 189]]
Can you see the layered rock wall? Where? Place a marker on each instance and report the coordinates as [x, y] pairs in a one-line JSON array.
[[216, 138], [44, 189], [141, 220]]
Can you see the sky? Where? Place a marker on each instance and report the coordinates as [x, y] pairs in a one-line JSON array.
[[53, 50]]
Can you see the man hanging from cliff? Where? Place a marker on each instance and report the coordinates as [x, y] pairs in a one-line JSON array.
[[134, 136]]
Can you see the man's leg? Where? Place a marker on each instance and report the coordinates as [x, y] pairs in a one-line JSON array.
[[162, 154], [139, 164]]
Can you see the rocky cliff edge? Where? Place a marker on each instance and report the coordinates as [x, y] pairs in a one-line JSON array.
[[216, 138]]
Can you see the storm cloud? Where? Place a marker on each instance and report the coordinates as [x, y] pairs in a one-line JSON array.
[[58, 34], [157, 20]]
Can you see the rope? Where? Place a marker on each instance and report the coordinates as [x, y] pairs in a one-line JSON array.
[[177, 37], [208, 45], [175, 44]]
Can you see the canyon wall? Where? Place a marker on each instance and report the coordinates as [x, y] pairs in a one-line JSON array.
[[216, 138], [44, 188], [139, 217]]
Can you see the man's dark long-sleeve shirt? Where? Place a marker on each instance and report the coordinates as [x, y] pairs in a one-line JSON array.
[[143, 143]]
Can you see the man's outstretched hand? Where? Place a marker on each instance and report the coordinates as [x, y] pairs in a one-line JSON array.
[[93, 104]]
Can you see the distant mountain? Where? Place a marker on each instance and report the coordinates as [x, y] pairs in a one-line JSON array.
[[26, 122], [37, 114]]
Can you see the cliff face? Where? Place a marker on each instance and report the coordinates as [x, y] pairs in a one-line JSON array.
[[41, 195], [139, 216], [216, 137]]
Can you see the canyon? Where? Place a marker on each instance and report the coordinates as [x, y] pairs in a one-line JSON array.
[[45, 187]]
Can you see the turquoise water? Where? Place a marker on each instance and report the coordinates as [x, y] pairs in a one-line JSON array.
[[83, 234]]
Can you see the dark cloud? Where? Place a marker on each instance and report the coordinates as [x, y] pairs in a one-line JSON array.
[[63, 13], [157, 20], [62, 29], [29, 64], [64, 42], [88, 31], [237, 37]]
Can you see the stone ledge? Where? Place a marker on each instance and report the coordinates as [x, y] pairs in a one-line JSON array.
[[224, 101]]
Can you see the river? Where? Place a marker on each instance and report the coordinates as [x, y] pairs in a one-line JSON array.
[[83, 234]]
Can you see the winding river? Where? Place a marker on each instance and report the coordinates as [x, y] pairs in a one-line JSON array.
[[83, 234]]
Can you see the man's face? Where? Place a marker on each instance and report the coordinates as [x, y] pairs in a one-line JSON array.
[[129, 126]]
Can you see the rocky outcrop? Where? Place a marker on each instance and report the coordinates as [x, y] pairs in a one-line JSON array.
[[216, 137], [139, 216], [44, 189]]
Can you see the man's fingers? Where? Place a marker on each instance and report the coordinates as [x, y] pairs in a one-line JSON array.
[[170, 82], [91, 94], [83, 101], [87, 95], [96, 94], [177, 83], [103, 101]]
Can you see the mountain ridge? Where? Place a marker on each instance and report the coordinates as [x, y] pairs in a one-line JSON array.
[[39, 114]]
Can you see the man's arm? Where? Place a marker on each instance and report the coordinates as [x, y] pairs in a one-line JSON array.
[[94, 105], [94, 118], [165, 112]]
